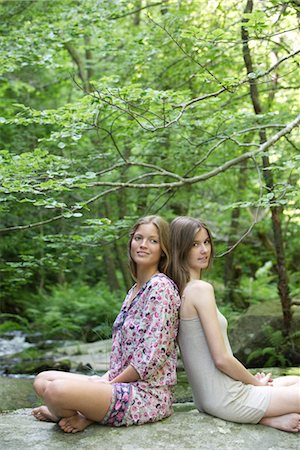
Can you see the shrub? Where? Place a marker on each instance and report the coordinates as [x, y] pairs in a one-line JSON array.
[[76, 311]]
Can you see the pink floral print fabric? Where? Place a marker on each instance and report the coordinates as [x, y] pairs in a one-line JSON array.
[[144, 335]]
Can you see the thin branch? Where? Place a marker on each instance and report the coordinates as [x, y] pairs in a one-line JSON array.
[[184, 181], [131, 13], [185, 52], [256, 217], [220, 91], [136, 116], [110, 134], [280, 61], [60, 216], [263, 147], [80, 66]]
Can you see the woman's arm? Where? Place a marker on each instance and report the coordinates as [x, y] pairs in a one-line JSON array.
[[157, 329], [129, 375], [201, 295]]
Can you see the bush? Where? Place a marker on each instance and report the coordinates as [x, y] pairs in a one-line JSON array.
[[13, 322], [76, 311], [260, 288]]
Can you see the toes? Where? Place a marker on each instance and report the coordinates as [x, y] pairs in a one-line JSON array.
[[37, 414], [69, 429], [62, 422], [65, 425]]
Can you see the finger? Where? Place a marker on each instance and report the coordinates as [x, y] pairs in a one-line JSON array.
[[268, 376]]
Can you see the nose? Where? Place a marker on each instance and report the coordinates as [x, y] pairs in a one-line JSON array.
[[143, 243], [203, 248]]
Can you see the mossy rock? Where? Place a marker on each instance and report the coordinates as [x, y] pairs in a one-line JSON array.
[[259, 330]]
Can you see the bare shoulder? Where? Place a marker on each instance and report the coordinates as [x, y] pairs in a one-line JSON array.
[[196, 287], [197, 295], [198, 292]]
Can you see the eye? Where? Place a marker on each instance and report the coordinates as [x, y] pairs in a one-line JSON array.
[[154, 241], [207, 242], [137, 238], [196, 244]]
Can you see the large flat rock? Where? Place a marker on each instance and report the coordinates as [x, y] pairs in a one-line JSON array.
[[95, 354], [186, 429]]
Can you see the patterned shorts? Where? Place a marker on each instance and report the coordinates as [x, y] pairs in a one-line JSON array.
[[131, 405], [121, 396]]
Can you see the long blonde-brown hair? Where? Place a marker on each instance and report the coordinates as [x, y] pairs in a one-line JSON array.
[[183, 230], [163, 229]]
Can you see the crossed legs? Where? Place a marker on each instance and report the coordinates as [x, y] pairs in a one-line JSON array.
[[74, 401], [283, 412]]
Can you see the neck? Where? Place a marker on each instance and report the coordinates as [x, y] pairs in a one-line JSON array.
[[195, 275], [144, 275]]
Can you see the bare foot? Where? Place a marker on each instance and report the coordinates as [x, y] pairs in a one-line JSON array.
[[287, 422], [74, 423], [43, 413]]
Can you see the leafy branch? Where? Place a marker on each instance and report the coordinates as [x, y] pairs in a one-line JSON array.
[[140, 114], [116, 186]]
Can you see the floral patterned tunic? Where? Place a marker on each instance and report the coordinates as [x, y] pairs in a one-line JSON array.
[[144, 335]]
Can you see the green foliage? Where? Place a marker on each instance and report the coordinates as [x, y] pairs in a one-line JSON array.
[[279, 352], [294, 283], [111, 110], [261, 287], [75, 311], [12, 322]]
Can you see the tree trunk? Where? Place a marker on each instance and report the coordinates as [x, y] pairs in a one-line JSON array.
[[109, 257], [276, 211]]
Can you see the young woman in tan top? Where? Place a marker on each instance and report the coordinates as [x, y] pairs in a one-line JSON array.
[[221, 385]]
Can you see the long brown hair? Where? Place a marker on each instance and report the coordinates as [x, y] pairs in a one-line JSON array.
[[183, 230], [163, 229]]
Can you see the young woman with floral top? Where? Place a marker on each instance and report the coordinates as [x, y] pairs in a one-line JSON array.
[[138, 387]]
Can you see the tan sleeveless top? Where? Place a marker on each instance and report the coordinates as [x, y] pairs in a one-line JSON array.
[[215, 392]]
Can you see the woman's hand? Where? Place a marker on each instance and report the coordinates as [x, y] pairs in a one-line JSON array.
[[264, 379]]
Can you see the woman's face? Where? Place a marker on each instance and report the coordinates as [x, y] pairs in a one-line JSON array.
[[200, 253], [145, 249]]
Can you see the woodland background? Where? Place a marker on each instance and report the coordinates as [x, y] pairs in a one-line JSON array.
[[111, 110]]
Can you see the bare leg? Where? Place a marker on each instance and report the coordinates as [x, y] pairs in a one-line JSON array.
[[284, 400], [283, 411], [41, 380], [287, 422], [286, 381], [39, 385], [51, 375], [77, 403]]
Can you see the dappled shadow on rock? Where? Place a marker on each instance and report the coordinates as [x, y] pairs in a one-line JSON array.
[[183, 430]]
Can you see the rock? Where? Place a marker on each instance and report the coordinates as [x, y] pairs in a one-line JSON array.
[[80, 357], [186, 429], [86, 357], [256, 328], [16, 393]]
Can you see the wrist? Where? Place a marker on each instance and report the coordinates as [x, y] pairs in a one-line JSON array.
[[256, 382]]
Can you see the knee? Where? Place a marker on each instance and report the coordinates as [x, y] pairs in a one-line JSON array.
[[46, 375], [41, 381], [54, 392]]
